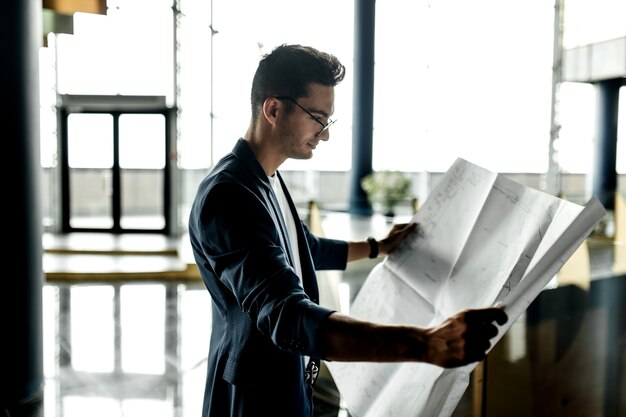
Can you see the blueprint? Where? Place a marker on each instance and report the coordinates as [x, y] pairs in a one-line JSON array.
[[482, 240]]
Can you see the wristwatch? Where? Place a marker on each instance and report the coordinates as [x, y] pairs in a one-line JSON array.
[[373, 247]]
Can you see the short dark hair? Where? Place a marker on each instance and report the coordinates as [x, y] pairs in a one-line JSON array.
[[289, 70]]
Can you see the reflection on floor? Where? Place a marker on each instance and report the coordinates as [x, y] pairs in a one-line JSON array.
[[132, 348], [125, 349], [137, 349], [137, 346]]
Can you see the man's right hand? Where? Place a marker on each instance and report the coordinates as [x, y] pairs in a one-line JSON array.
[[463, 338]]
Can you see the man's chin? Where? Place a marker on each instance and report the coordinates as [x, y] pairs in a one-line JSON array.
[[303, 156]]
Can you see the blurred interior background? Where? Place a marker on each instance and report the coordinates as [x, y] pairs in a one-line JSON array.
[[118, 108]]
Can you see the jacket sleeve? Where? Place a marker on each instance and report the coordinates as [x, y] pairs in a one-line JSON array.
[[327, 253], [239, 240]]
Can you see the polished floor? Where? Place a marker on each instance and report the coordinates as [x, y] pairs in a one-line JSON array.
[[125, 349], [136, 348]]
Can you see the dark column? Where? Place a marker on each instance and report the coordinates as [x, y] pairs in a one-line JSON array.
[[21, 363], [363, 103], [604, 172]]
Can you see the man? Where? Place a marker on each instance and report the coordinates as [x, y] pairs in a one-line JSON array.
[[258, 261]]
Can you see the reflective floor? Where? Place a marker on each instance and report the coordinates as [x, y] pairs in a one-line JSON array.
[[138, 348], [125, 349]]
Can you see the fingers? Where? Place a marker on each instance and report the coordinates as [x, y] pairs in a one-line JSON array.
[[404, 227], [486, 315], [480, 323], [480, 330], [501, 316], [400, 232], [396, 236], [467, 335]]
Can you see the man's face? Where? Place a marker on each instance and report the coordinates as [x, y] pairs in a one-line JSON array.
[[309, 116]]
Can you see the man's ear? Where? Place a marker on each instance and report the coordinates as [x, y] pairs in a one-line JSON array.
[[270, 110]]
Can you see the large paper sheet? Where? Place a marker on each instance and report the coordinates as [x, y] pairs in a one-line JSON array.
[[482, 239]]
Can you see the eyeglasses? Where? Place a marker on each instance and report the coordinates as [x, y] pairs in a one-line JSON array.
[[324, 125]]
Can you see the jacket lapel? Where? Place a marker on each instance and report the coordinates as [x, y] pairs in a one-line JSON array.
[[242, 151]]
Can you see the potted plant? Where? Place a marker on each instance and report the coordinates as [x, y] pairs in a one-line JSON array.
[[387, 188]]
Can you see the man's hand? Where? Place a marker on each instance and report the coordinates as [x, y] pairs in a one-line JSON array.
[[396, 235], [464, 337]]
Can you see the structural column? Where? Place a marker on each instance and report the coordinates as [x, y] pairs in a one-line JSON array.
[[21, 363], [363, 103], [604, 175]]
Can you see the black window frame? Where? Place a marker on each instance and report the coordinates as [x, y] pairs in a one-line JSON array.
[[115, 106]]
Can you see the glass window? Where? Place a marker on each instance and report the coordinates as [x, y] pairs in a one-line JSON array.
[[195, 76], [268, 24], [450, 80], [576, 117], [142, 141], [142, 160], [90, 156], [128, 51], [447, 86], [90, 140]]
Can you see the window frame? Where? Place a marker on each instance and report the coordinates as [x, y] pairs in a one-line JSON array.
[[116, 106]]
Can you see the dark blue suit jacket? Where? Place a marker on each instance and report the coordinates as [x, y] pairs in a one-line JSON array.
[[264, 320]]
